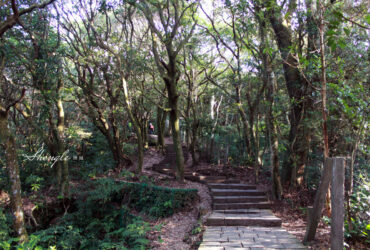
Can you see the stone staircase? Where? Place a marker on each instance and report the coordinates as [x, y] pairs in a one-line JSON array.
[[240, 205], [241, 219]]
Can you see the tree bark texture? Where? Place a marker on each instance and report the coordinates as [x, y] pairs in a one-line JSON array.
[[8, 141]]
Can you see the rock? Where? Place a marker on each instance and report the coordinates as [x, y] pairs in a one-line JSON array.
[[152, 140]]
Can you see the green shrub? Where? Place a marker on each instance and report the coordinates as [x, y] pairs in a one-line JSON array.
[[3, 175], [360, 207], [101, 218], [152, 200], [34, 182], [128, 148], [4, 226]]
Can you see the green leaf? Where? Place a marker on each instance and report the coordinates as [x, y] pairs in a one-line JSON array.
[[367, 18], [342, 44], [330, 32], [332, 44], [347, 31]]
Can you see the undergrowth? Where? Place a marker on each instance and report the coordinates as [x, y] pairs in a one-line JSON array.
[[151, 200], [102, 217]]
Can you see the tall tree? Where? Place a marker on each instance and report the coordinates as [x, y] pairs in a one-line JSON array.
[[268, 77], [41, 56], [173, 30], [234, 43], [7, 138], [196, 87], [97, 87], [298, 90], [11, 20]]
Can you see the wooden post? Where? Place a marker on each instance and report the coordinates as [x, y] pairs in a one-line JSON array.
[[309, 214], [319, 201], [337, 204]]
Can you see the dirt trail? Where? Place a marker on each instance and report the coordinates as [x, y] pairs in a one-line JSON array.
[[176, 228]]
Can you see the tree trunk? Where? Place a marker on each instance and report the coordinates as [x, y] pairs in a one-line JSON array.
[[214, 127], [194, 139], [64, 185], [253, 144], [296, 86], [13, 169], [161, 119], [175, 124], [270, 82], [323, 96], [277, 189], [135, 124], [319, 200], [246, 130], [116, 148]]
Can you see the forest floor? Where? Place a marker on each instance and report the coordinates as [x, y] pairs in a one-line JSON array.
[[182, 230], [177, 230]]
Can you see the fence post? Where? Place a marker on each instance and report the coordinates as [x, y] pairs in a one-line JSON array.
[[337, 204], [319, 201]]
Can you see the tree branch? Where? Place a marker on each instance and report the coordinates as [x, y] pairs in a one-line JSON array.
[[11, 21]]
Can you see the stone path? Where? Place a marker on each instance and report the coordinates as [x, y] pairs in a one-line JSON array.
[[241, 220], [223, 237]]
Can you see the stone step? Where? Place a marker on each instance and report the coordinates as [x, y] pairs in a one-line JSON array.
[[248, 238], [167, 170], [243, 217], [214, 179], [238, 199], [249, 211], [231, 186], [237, 221], [229, 181], [236, 192], [245, 205]]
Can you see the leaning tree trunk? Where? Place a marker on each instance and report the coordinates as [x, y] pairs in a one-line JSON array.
[[136, 125], [13, 169], [116, 148]]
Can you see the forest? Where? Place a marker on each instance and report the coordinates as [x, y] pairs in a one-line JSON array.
[[121, 120]]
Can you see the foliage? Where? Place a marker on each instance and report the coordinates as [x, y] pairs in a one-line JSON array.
[[98, 223], [148, 199], [3, 177], [359, 209], [4, 226], [98, 155], [73, 236], [103, 221], [34, 182]]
